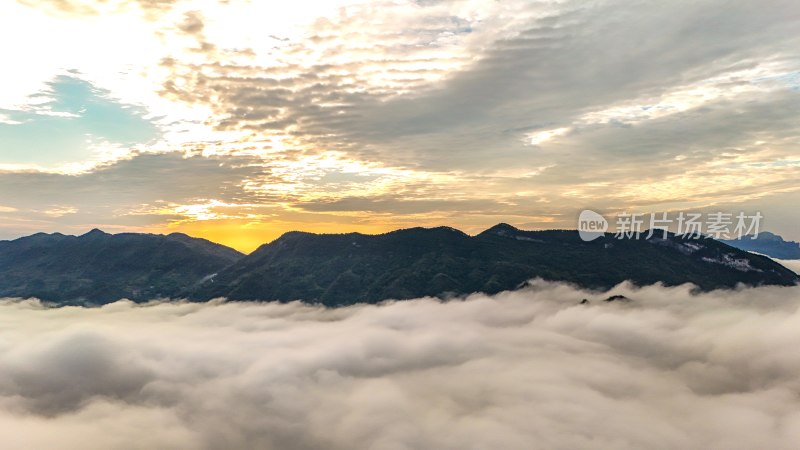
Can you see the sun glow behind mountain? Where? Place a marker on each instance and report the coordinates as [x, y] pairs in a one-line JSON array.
[[239, 120]]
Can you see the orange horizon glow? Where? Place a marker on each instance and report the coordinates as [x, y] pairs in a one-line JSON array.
[[246, 236]]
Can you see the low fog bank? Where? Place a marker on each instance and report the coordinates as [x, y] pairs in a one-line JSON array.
[[791, 264], [520, 370]]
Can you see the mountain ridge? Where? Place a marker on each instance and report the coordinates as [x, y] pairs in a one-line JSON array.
[[345, 268], [336, 269]]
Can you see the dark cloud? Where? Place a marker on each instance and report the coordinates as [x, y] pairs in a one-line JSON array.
[[529, 369], [119, 193], [397, 205], [166, 176]]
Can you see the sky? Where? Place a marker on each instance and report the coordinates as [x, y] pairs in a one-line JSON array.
[[239, 120], [529, 369]]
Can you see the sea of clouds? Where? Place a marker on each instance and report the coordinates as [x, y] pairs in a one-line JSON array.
[[519, 370]]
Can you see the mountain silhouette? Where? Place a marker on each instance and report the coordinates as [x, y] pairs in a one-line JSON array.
[[768, 244], [337, 269], [342, 269], [98, 267]]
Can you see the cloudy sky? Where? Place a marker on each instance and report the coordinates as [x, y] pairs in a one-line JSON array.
[[530, 369], [237, 120]]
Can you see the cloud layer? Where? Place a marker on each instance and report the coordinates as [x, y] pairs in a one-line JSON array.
[[529, 369]]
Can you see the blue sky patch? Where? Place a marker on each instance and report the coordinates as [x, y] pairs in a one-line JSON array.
[[72, 114]]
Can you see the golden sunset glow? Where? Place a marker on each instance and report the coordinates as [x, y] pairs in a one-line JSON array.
[[237, 121]]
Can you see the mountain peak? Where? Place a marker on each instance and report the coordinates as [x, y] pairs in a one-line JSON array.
[[501, 228], [767, 243], [95, 232], [294, 235], [767, 236]]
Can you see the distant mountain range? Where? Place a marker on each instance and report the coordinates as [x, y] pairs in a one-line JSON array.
[[340, 269], [768, 244]]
